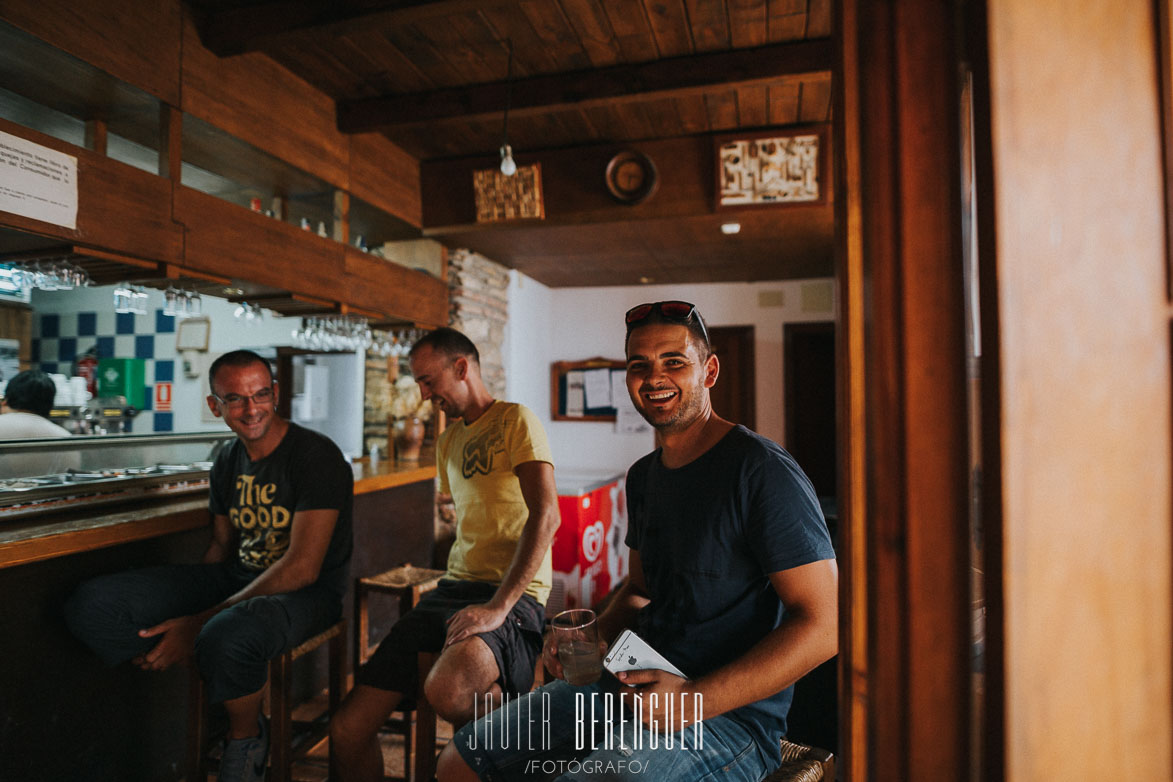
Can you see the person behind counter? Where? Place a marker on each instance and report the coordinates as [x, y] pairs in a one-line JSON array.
[[24, 411], [274, 573], [732, 579], [486, 615]]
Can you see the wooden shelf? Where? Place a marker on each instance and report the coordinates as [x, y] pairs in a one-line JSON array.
[[104, 268]]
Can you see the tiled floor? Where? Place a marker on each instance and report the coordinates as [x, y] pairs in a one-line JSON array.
[[313, 768]]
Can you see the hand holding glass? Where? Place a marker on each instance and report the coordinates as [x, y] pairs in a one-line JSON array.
[[576, 636]]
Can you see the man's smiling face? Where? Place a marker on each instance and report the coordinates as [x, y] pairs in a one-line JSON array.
[[667, 376], [248, 416]]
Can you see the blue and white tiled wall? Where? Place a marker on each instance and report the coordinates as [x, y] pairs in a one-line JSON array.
[[67, 323], [60, 337]]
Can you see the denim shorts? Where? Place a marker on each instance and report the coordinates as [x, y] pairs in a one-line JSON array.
[[550, 734]]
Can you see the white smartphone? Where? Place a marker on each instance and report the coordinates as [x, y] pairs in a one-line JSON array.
[[632, 653]]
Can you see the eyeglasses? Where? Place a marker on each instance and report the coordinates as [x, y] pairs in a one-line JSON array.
[[237, 401], [674, 311]]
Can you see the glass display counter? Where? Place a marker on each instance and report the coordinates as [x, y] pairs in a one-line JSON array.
[[49, 475]]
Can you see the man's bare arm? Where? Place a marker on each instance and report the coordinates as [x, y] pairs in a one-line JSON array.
[[621, 612], [541, 498], [221, 546], [807, 636]]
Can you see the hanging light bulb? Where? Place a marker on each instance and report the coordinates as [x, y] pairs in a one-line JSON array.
[[508, 165]]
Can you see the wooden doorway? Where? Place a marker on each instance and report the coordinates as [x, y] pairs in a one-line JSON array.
[[808, 382], [733, 396]]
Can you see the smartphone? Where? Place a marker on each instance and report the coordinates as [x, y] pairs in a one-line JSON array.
[[632, 653]]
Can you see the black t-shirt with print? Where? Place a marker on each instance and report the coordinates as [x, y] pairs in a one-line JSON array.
[[306, 471]]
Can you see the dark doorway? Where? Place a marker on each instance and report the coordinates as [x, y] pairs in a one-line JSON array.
[[809, 384], [733, 396], [808, 369]]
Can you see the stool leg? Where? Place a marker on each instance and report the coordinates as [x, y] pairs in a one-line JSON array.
[[279, 718], [425, 726], [361, 627], [337, 684], [197, 727]]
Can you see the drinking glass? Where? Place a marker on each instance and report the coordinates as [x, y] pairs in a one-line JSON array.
[[122, 296], [138, 301], [172, 305], [576, 636]]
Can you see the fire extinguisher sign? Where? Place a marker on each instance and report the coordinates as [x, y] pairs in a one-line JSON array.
[[163, 397]]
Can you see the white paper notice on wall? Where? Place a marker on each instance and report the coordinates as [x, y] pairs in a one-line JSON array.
[[627, 418], [597, 385], [575, 395], [37, 182]]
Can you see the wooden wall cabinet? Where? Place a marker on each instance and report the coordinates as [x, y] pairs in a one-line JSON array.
[[120, 208], [375, 283], [262, 131], [227, 241]]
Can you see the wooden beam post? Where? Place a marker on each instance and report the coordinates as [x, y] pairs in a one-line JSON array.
[[170, 143], [671, 77], [908, 708], [96, 132]]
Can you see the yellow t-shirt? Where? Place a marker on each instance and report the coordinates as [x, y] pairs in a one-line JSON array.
[[476, 466]]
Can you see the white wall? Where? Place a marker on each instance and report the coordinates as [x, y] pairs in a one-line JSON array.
[[572, 324]]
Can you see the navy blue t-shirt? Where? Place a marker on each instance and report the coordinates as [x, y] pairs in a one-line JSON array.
[[708, 536], [306, 471]]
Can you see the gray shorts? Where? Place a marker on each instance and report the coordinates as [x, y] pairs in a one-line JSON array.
[[515, 645]]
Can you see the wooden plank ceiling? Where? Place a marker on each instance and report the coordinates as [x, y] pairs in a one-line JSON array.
[[431, 75]]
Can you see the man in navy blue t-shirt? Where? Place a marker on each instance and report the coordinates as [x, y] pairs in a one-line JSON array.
[[732, 579]]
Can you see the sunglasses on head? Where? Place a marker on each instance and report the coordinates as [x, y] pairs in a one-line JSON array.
[[672, 310]]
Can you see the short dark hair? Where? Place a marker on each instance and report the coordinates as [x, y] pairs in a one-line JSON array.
[[31, 391], [695, 325], [448, 341], [237, 358]]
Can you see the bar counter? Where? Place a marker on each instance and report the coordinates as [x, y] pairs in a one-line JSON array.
[[71, 717], [72, 532]]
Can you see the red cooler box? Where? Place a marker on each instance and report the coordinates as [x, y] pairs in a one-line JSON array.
[[589, 555]]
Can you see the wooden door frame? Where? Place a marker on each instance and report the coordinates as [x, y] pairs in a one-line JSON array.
[[746, 376], [905, 694]]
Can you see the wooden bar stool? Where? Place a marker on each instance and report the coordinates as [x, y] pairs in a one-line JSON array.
[[407, 583], [282, 753], [801, 763]]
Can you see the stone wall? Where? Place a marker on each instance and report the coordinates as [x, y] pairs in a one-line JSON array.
[[478, 305], [380, 374]]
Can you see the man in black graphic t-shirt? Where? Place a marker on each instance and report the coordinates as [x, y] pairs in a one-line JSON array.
[[274, 573]]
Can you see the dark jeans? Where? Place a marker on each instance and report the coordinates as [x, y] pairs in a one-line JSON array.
[[234, 648]]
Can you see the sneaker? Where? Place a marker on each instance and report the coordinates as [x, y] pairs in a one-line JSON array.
[[244, 759]]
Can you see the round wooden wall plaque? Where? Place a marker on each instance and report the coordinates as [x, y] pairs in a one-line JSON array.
[[631, 177]]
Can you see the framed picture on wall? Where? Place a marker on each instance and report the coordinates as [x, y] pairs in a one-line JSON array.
[[772, 168]]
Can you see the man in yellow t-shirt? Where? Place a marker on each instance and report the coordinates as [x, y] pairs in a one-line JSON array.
[[486, 615]]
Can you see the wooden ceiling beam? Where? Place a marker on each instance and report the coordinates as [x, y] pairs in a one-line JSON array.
[[258, 27], [671, 77]]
